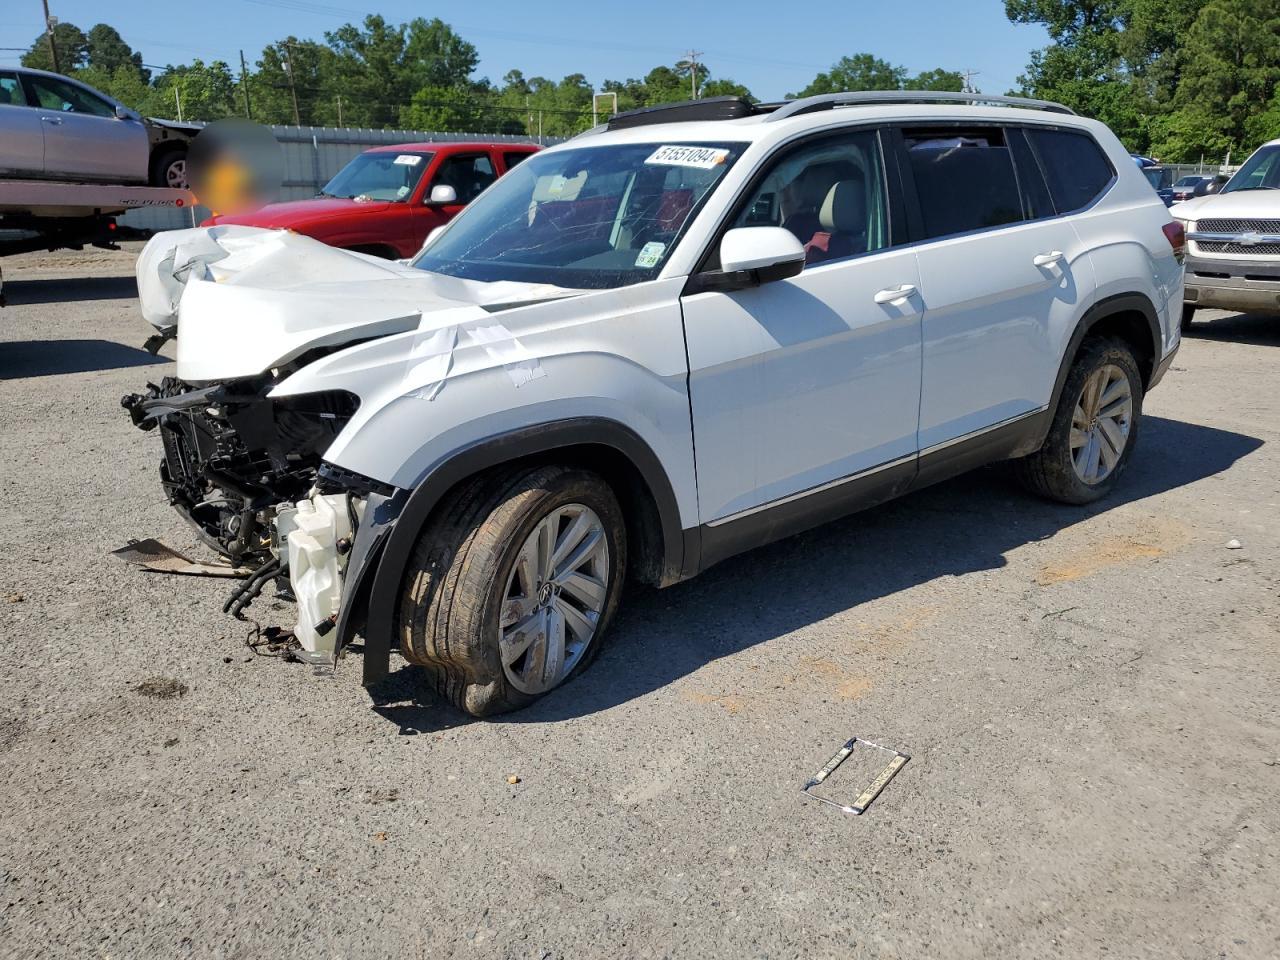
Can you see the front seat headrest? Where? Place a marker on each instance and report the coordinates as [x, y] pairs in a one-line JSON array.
[[845, 208]]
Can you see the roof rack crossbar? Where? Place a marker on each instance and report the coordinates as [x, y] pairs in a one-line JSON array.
[[828, 101]]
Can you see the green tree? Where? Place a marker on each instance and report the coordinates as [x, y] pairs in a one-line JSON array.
[[206, 92], [862, 71], [107, 52], [72, 46], [938, 80]]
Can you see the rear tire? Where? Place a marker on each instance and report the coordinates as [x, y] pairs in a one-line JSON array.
[[1100, 409], [466, 607], [1188, 317]]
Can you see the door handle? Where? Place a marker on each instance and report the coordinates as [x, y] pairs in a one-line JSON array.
[[1049, 259], [895, 294], [54, 120]]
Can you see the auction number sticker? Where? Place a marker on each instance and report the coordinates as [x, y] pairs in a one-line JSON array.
[[704, 158], [408, 160]]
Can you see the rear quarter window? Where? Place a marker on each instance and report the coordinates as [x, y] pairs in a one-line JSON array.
[[1077, 170]]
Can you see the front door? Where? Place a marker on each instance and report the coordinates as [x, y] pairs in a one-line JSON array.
[[82, 135], [801, 385], [21, 132], [469, 174]]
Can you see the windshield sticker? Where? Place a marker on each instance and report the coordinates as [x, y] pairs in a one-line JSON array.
[[650, 254], [408, 160], [704, 158]]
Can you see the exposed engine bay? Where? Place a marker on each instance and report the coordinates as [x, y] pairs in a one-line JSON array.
[[232, 454]]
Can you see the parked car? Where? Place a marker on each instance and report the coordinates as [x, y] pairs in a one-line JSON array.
[[1233, 260], [388, 199], [1160, 177], [1186, 187], [692, 331], [57, 128]]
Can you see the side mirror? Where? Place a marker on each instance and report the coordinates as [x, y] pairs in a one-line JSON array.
[[750, 256], [123, 112], [443, 193]]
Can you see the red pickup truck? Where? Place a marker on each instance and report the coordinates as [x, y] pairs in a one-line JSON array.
[[386, 200]]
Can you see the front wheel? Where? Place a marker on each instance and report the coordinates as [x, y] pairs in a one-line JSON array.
[[512, 585], [1094, 428], [169, 169]]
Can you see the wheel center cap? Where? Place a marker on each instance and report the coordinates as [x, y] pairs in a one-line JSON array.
[[545, 593]]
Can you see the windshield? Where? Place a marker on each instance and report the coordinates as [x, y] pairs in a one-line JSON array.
[[590, 217], [1188, 181], [1260, 172], [1157, 176], [379, 176]]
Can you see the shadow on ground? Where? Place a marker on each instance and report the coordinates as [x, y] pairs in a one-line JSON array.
[[959, 527], [45, 358], [1254, 329], [18, 292]]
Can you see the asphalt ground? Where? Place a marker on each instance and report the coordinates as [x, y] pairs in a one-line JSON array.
[[1088, 697]]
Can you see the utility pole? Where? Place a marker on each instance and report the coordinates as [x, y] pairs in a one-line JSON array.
[[968, 81], [691, 58], [293, 91], [339, 109], [244, 84], [49, 24], [177, 100]]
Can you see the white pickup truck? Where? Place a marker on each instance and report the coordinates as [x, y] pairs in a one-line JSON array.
[[1234, 258]]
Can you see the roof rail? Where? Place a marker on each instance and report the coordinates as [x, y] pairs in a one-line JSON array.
[[828, 101]]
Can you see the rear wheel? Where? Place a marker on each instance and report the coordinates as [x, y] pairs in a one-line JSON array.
[[512, 586], [1094, 428]]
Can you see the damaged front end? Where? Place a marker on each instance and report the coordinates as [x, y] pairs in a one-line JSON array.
[[232, 454], [246, 470]]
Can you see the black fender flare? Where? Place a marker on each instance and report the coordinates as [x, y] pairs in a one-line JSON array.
[[396, 543], [1107, 307]]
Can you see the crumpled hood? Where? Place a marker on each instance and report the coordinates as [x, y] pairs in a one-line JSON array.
[[1239, 204], [246, 300]]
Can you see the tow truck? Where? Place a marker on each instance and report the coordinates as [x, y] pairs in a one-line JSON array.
[[55, 215]]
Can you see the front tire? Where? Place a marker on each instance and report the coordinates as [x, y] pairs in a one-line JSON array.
[[512, 585], [1094, 429], [169, 169]]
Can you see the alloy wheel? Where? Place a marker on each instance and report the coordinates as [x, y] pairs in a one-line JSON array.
[[554, 598], [175, 175], [1100, 424]]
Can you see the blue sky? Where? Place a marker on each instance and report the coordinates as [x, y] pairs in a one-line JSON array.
[[773, 47]]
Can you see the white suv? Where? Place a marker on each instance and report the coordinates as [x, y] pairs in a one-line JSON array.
[[690, 332]]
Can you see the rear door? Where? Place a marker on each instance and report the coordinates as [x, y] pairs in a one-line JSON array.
[[813, 381], [1001, 276], [21, 132], [83, 137]]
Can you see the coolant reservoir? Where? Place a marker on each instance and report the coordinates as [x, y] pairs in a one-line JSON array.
[[315, 568]]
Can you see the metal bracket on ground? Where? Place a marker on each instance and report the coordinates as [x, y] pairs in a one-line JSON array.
[[896, 762]]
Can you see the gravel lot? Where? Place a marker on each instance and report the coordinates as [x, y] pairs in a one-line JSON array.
[[1088, 697]]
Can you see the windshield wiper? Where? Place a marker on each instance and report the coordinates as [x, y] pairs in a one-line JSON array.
[[331, 196]]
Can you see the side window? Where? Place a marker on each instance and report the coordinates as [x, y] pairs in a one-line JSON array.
[[964, 179], [54, 94], [1036, 202], [830, 194], [1077, 169], [511, 159], [11, 91], [468, 174]]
